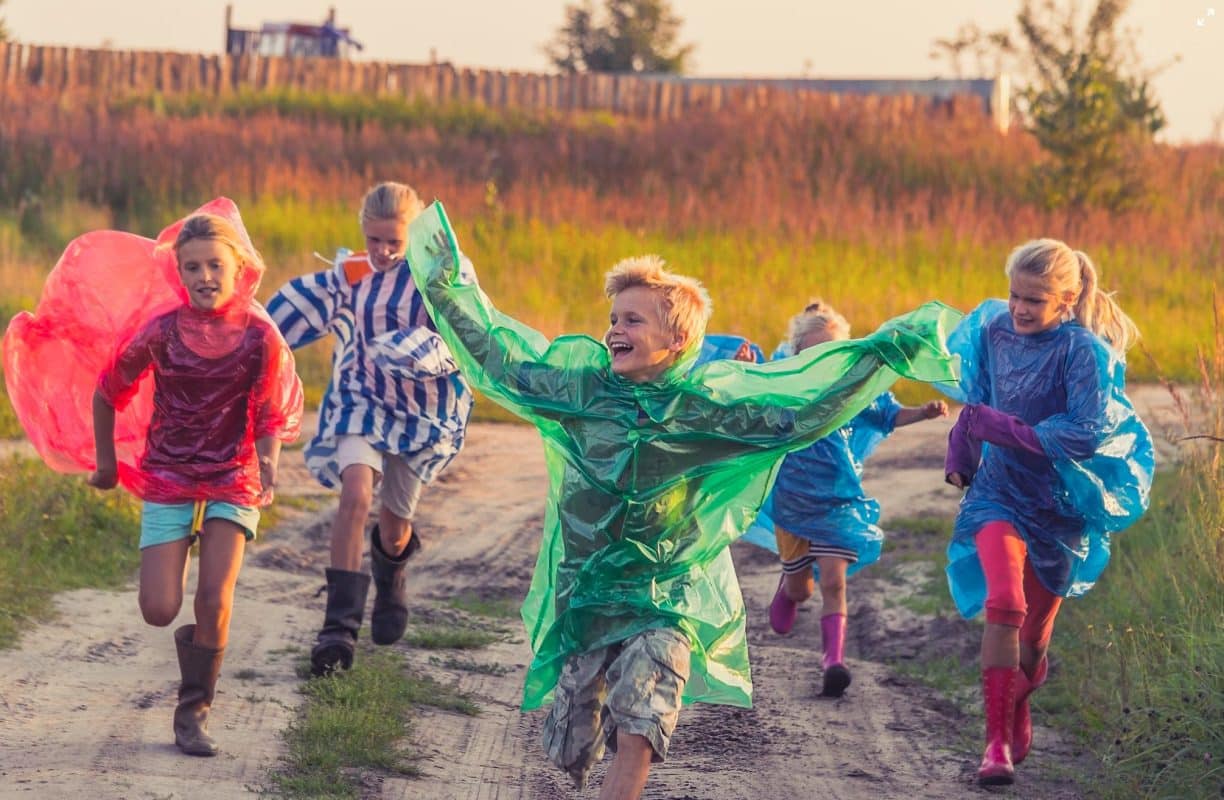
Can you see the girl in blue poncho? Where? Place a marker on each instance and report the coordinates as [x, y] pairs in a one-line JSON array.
[[824, 521], [1054, 459]]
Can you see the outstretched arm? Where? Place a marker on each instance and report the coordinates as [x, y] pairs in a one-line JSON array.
[[305, 307], [500, 356], [908, 415], [797, 400]]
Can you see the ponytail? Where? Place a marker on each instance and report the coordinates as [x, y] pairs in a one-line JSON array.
[[1097, 311]]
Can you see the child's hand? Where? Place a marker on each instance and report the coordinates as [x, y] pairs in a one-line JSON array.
[[958, 480], [440, 245], [935, 408], [744, 353], [104, 477], [267, 478]]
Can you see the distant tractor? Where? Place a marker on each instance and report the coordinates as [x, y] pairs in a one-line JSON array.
[[290, 39]]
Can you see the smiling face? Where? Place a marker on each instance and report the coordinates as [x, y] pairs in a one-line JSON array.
[[386, 241], [208, 269], [639, 339], [1034, 308]]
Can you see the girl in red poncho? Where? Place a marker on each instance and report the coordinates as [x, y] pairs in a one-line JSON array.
[[206, 392]]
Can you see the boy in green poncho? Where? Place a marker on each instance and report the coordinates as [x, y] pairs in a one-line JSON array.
[[653, 471]]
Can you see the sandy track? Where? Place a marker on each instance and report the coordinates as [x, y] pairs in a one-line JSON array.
[[86, 702]]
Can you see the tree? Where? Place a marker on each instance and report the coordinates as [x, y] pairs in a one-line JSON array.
[[4, 34], [631, 36], [1085, 98]]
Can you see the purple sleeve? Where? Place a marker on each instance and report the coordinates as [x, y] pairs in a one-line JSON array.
[[989, 425], [964, 451]]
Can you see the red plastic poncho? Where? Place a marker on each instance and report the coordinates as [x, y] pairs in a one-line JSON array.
[[113, 315]]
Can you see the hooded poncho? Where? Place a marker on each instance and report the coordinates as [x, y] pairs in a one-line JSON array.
[[650, 482], [1095, 476], [193, 389]]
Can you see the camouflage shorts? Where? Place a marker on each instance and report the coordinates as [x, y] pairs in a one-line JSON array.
[[634, 686]]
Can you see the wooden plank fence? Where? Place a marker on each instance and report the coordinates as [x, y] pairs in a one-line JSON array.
[[65, 69]]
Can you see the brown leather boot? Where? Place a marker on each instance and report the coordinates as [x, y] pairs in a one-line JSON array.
[[389, 619], [337, 640], [200, 667]]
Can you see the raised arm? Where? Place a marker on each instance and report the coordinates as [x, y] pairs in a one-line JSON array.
[[501, 357], [305, 308], [804, 397]]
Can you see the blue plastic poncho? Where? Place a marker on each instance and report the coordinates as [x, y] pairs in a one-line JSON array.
[[650, 482], [819, 491], [718, 346], [1096, 473], [821, 487]]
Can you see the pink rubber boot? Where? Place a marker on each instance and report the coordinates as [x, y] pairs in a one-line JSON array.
[[833, 640], [1022, 732], [782, 611], [999, 703]]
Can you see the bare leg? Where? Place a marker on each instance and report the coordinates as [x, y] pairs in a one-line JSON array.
[[348, 528], [833, 584], [630, 767], [221, 548], [163, 580], [799, 586], [394, 532]]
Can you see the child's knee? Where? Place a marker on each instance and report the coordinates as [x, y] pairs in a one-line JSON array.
[[159, 611], [213, 601], [356, 496]]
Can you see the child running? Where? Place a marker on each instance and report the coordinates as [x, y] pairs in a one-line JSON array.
[[393, 416], [1054, 459], [654, 470], [198, 443], [824, 523]]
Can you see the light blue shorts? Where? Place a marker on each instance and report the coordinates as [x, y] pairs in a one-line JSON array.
[[169, 522]]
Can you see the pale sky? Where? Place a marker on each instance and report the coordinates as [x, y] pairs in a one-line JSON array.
[[768, 38]]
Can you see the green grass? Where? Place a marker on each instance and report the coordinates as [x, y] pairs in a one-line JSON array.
[[449, 637], [1140, 659], [56, 534], [492, 607], [357, 723], [468, 665], [352, 111]]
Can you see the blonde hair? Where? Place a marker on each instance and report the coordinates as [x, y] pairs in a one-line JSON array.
[[1072, 277], [390, 200], [685, 303], [816, 316], [211, 226]]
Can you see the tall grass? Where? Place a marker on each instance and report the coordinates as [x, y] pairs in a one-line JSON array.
[[57, 534], [1140, 660]]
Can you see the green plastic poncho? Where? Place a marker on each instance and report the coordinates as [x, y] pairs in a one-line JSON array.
[[650, 482]]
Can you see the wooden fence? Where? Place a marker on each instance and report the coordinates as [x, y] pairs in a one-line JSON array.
[[65, 69]]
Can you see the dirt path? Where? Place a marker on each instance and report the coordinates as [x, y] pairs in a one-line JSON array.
[[85, 704]]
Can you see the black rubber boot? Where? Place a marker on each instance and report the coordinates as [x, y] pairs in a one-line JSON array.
[[200, 667], [346, 599], [390, 617]]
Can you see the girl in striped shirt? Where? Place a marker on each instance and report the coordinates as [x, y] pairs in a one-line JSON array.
[[392, 417]]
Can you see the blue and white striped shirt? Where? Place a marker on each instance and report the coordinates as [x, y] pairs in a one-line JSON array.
[[393, 380]]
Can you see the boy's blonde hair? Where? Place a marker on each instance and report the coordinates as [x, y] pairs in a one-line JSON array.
[[1071, 275], [684, 302], [816, 316], [390, 200], [211, 226]]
